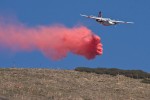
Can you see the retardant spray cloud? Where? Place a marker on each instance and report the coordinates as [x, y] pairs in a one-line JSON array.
[[54, 41]]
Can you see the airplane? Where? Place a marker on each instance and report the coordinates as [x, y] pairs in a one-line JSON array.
[[106, 21]]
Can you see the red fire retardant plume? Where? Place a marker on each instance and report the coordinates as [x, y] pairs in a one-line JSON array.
[[54, 41]]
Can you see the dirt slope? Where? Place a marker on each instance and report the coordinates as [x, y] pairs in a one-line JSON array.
[[45, 84]]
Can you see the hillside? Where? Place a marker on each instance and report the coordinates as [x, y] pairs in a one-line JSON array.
[[46, 84]]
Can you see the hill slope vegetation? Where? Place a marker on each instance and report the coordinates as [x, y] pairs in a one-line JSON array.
[[46, 84]]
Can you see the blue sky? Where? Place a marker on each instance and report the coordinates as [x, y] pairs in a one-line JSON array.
[[125, 46]]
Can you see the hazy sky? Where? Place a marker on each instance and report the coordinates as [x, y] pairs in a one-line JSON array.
[[125, 46]]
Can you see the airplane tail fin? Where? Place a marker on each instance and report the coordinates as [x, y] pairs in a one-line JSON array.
[[100, 14]]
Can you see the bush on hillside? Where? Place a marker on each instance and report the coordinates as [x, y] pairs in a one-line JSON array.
[[137, 74], [146, 80]]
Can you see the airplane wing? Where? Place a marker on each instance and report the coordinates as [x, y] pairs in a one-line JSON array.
[[92, 17], [129, 22], [123, 22]]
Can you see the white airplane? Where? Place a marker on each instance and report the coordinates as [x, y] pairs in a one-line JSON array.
[[106, 21]]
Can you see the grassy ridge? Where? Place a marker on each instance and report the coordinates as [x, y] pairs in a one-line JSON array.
[[46, 84]]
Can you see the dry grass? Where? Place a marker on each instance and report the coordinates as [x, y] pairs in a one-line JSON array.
[[45, 84]]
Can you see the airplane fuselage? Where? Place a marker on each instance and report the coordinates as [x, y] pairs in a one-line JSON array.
[[105, 22]]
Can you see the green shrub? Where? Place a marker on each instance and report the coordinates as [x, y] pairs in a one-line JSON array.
[[137, 74], [146, 80]]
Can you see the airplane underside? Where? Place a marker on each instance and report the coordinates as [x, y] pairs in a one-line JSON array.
[[106, 23]]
